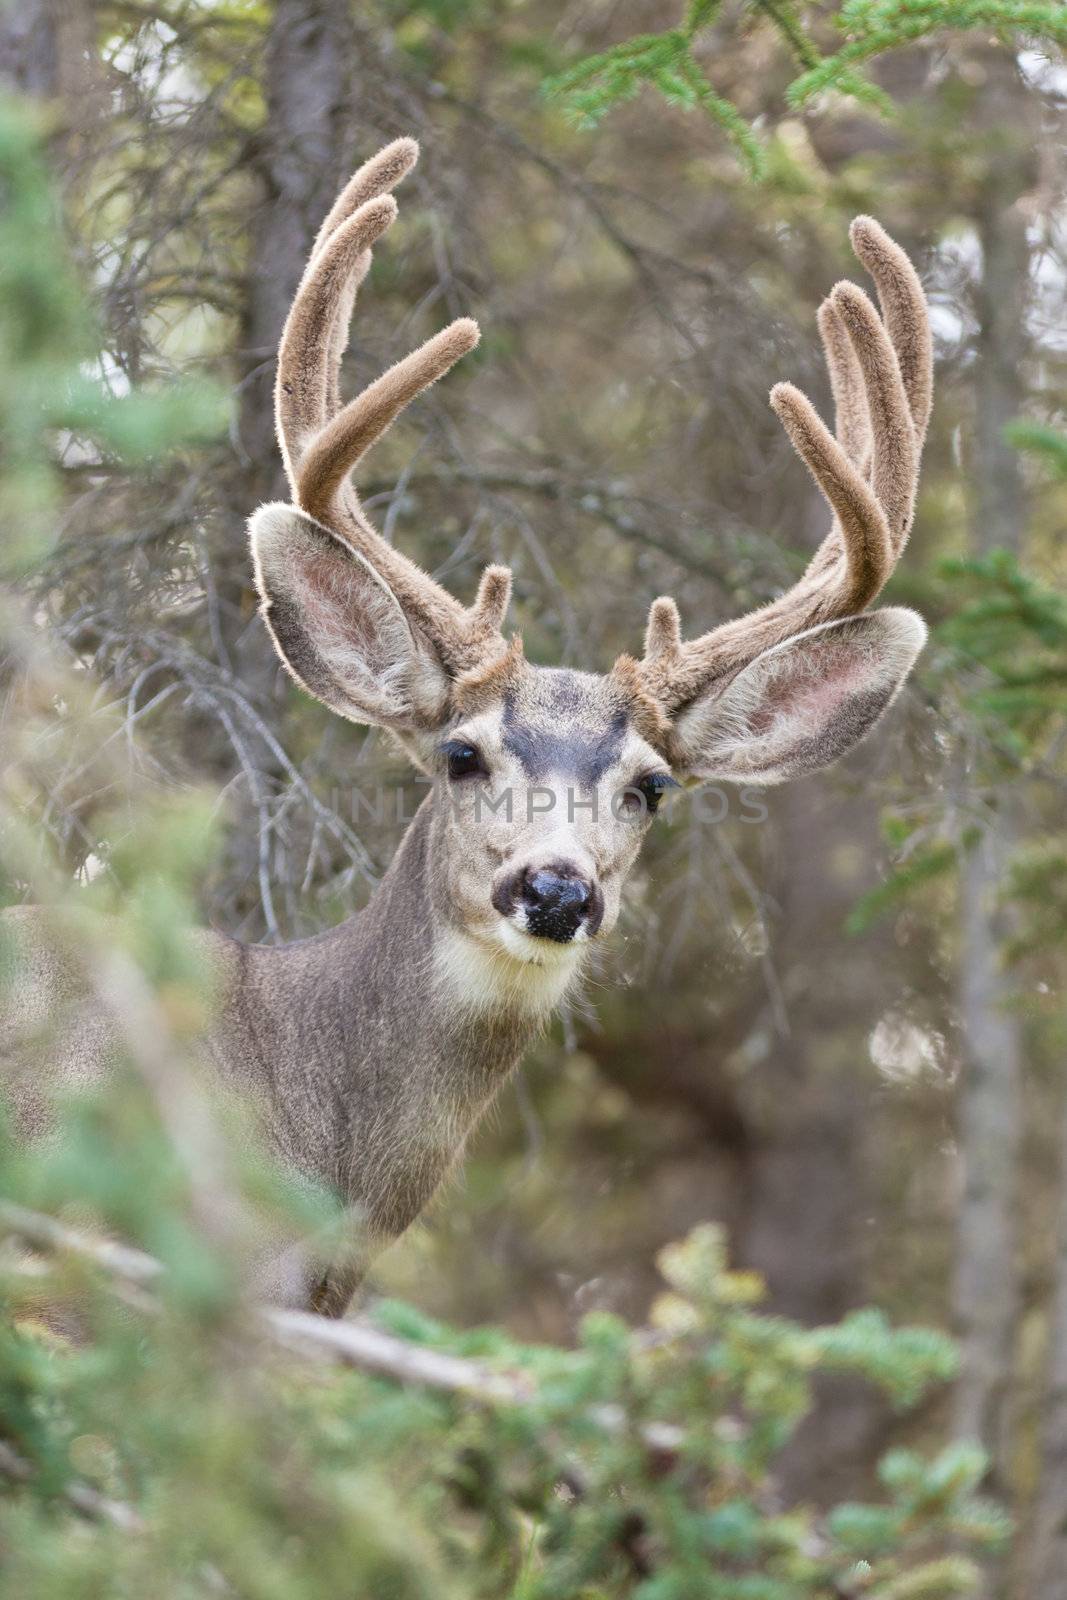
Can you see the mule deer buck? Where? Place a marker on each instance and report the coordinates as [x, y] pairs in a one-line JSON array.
[[372, 1049]]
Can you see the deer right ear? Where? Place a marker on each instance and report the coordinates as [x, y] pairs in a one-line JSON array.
[[801, 705], [339, 628]]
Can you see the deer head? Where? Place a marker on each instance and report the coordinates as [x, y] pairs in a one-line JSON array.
[[545, 780]]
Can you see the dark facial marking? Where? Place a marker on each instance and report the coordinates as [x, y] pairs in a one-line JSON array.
[[577, 753]]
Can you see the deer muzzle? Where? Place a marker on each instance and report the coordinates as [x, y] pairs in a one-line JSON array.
[[555, 901]]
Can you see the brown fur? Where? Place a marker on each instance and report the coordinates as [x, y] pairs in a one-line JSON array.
[[322, 440], [881, 375], [846, 386], [369, 1052]]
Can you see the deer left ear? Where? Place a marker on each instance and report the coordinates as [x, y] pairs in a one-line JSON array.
[[340, 629], [801, 705]]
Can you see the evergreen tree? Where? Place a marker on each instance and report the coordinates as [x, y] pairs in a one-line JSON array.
[[672, 62]]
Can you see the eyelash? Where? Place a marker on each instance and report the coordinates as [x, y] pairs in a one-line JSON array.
[[653, 787]]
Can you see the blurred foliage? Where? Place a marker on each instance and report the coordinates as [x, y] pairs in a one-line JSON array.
[[1002, 654], [638, 1464], [168, 1451], [638, 297], [670, 61]]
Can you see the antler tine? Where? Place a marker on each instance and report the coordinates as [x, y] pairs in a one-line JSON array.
[[893, 445], [907, 321], [348, 436], [304, 354], [881, 377], [900, 295], [321, 441], [852, 423], [316, 330], [379, 175], [860, 533]]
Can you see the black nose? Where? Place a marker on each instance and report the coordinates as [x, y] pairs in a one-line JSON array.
[[557, 903]]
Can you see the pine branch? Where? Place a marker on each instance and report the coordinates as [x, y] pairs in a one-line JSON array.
[[349, 1344], [882, 25], [83, 1499], [591, 88], [726, 114], [1038, 439]]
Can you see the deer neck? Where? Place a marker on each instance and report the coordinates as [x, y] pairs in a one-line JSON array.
[[472, 993], [384, 1039]]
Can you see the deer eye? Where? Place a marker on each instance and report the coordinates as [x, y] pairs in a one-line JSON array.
[[652, 787], [464, 760]]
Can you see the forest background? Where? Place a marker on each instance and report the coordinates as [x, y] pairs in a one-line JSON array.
[[839, 1032]]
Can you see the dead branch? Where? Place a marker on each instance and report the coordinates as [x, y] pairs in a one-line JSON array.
[[354, 1344]]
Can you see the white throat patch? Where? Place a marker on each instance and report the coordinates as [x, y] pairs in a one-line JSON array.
[[519, 973]]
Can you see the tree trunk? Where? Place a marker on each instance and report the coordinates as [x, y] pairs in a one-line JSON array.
[[990, 1131], [986, 1290], [303, 158], [29, 54], [808, 1199], [1048, 1537], [47, 50]]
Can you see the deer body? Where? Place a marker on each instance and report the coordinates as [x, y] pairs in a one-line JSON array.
[[371, 1099], [371, 1051], [367, 1099]]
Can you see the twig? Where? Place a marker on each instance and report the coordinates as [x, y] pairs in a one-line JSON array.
[[384, 1355], [349, 1344], [83, 1499], [590, 497], [45, 1233]]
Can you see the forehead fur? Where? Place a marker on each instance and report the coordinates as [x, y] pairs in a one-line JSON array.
[[547, 698], [544, 698], [560, 721]]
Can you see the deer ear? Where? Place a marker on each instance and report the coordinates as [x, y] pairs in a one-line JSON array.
[[339, 628], [801, 705]]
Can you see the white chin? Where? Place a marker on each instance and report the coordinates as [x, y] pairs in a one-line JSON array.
[[523, 946]]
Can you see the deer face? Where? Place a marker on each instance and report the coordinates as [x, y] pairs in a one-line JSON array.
[[546, 780], [543, 796]]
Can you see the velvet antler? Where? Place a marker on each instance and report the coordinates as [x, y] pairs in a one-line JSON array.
[[322, 440], [881, 373]]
